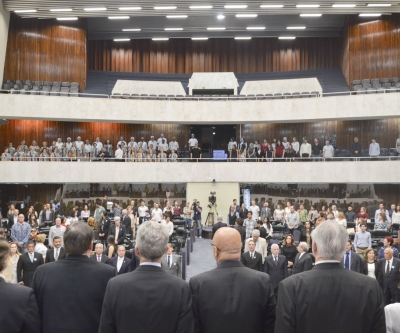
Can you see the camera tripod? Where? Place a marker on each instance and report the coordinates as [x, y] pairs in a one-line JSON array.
[[211, 214]]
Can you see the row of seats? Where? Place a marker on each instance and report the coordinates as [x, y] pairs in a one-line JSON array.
[[42, 83], [217, 97], [375, 83], [380, 90], [365, 152]]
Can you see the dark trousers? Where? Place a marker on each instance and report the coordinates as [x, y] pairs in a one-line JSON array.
[[389, 297]]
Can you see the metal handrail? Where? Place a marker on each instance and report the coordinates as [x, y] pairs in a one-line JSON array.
[[65, 94]]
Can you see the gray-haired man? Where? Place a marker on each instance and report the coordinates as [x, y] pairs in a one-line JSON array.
[[303, 261]]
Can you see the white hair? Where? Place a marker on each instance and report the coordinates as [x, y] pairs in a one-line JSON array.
[[117, 218], [304, 246], [124, 211], [256, 233], [219, 218], [274, 245], [330, 239], [151, 240]]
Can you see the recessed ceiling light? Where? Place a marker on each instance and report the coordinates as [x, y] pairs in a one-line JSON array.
[[370, 15], [310, 15], [131, 29], [307, 6], [216, 28], [295, 28], [118, 17], [379, 5], [25, 11], [220, 17], [61, 10], [246, 15], [287, 37], [164, 7], [173, 29], [200, 7], [271, 6], [121, 40], [176, 16], [67, 18], [343, 5], [160, 39], [199, 38], [243, 38], [130, 8], [95, 9], [255, 28], [235, 6]]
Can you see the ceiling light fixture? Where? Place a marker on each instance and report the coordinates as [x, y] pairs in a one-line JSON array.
[[176, 16], [130, 8], [164, 7], [287, 37], [216, 28], [307, 6], [94, 9], [220, 17], [121, 40], [379, 5], [295, 28], [255, 28], [67, 18], [370, 15], [199, 38], [61, 10], [25, 11], [246, 15], [126, 30], [271, 6], [118, 17], [310, 15], [173, 29], [200, 7], [235, 6], [343, 5], [243, 38], [160, 39]]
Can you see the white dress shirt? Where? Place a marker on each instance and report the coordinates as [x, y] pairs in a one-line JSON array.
[[192, 142], [119, 153], [174, 145], [157, 213], [119, 263], [99, 145], [78, 144], [392, 316]]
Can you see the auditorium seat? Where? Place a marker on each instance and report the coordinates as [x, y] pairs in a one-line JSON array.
[[223, 97], [75, 84], [30, 82], [39, 83], [56, 84], [374, 81], [366, 85], [260, 96], [144, 96], [361, 91], [296, 95], [116, 95], [392, 89], [365, 81], [179, 97], [357, 86], [393, 152], [384, 80], [305, 94], [251, 97], [36, 87], [376, 85], [20, 82], [268, 96], [27, 87], [65, 84], [47, 83], [380, 90], [371, 91], [384, 152], [153, 97], [397, 85], [12, 82], [17, 86], [386, 85], [278, 96], [356, 83], [126, 96], [7, 86], [161, 97], [171, 97], [232, 97], [24, 92], [135, 96], [315, 94], [287, 95]]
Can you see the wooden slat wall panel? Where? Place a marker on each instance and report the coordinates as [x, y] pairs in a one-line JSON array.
[[384, 131], [28, 130], [184, 56], [370, 49], [46, 50]]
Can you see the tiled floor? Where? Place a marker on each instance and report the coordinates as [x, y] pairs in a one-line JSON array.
[[201, 259]]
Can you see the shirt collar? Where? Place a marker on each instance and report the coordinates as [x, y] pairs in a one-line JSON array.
[[156, 264], [327, 262]]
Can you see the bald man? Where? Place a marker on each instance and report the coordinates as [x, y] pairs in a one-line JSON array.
[[242, 299], [390, 269]]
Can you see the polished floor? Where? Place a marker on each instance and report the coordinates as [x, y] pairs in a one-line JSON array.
[[201, 259]]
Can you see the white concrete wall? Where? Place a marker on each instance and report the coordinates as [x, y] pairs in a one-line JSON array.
[[4, 23], [226, 192], [372, 106], [111, 172], [281, 86]]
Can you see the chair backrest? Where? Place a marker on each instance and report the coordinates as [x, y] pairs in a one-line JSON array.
[[278, 96], [380, 90], [17, 86], [21, 82], [365, 81], [27, 87], [367, 85], [361, 91], [7, 86], [356, 82], [384, 80], [371, 91], [386, 85], [394, 79], [65, 84], [268, 96], [126, 96], [357, 86]]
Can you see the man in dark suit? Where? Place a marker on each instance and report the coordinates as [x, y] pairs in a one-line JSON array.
[[218, 225], [27, 265], [351, 260], [13, 219], [70, 292], [171, 262], [275, 266], [302, 261], [242, 231], [252, 259], [242, 299], [47, 214], [148, 299], [120, 262], [126, 221], [390, 268], [98, 255], [334, 287], [57, 252], [118, 231], [18, 308]]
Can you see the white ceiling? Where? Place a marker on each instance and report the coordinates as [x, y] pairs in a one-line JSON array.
[[153, 22]]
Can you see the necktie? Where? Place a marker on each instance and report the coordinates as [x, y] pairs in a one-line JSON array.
[[347, 261], [388, 267], [31, 256], [98, 258], [276, 260], [169, 261], [56, 256]]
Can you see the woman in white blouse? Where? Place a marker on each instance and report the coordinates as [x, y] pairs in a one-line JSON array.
[[341, 220], [335, 211], [279, 214], [85, 213], [10, 273], [396, 221], [168, 225], [370, 266], [40, 247]]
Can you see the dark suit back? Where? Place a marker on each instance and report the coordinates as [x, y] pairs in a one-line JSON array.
[[160, 303], [18, 309], [276, 272], [216, 226], [252, 263], [26, 269], [50, 255], [242, 300], [125, 267], [303, 264], [70, 294], [121, 234], [126, 221], [331, 289]]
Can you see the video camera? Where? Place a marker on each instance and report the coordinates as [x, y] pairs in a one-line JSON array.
[[194, 204], [212, 199]]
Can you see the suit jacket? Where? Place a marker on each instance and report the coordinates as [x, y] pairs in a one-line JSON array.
[[243, 213], [391, 281], [255, 263], [262, 247], [135, 262], [121, 234], [126, 221], [355, 264], [242, 232], [43, 216], [53, 233], [50, 255], [242, 300], [175, 268], [10, 222], [73, 305], [162, 303], [18, 309], [124, 267], [104, 259], [26, 269], [303, 264], [265, 212], [276, 272], [334, 287], [216, 226]]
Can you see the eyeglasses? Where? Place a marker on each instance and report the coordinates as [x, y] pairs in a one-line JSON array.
[[212, 244]]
